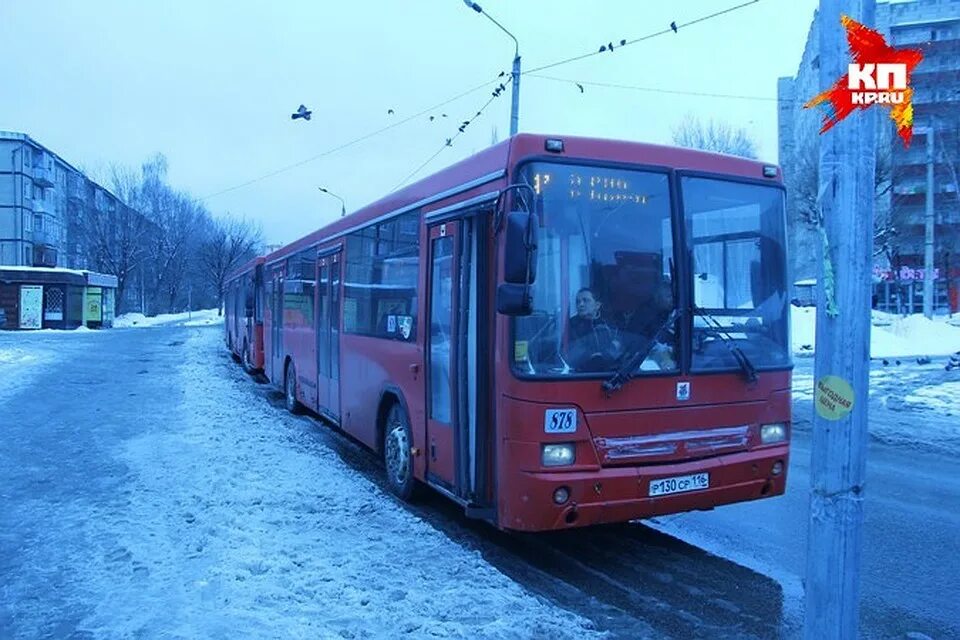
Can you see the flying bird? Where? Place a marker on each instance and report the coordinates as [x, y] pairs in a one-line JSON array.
[[302, 112], [673, 25], [390, 112]]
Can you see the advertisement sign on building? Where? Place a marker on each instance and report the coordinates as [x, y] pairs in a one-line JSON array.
[[31, 306], [92, 305]]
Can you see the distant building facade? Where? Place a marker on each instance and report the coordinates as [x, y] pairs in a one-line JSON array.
[[52, 215], [934, 27]]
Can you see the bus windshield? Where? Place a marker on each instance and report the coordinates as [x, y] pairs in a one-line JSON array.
[[604, 289], [736, 235]]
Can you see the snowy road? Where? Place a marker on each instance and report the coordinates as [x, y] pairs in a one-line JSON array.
[[150, 489], [147, 492]]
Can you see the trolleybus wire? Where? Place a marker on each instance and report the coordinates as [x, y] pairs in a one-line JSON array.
[[673, 28]]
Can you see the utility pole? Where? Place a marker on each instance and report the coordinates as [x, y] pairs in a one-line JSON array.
[[514, 75], [928, 221], [515, 95], [839, 441]]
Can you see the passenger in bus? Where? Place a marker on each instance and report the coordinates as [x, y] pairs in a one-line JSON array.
[[642, 301], [592, 345]]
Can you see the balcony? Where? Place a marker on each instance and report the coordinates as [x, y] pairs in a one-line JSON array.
[[44, 256], [41, 206], [44, 238], [43, 177], [76, 190]]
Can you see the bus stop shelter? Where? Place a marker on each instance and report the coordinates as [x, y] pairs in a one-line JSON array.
[[54, 298]]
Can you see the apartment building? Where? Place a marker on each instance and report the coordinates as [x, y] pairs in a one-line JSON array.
[[902, 189]]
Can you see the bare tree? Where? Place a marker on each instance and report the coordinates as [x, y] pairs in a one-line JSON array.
[[230, 242], [714, 136]]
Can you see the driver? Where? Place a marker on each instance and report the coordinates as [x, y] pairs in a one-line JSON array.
[[592, 345]]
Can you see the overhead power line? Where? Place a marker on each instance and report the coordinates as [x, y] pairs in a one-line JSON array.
[[679, 92], [353, 142], [449, 141], [673, 28]]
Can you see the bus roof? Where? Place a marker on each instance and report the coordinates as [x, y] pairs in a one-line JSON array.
[[492, 163], [249, 265]]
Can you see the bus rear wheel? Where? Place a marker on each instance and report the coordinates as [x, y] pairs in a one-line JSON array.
[[245, 359], [290, 390], [398, 454]]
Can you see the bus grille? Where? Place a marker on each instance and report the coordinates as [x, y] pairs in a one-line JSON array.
[[678, 445]]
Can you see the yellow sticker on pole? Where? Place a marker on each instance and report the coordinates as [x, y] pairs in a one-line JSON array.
[[834, 398]]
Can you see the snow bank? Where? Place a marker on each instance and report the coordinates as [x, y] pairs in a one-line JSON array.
[[891, 336], [194, 319], [235, 520]]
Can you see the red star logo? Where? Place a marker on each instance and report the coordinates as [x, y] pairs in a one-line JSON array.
[[871, 51]]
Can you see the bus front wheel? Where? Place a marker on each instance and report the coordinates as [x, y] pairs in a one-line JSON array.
[[398, 454]]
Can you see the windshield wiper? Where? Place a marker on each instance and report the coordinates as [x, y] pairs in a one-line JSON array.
[[749, 371], [628, 370]]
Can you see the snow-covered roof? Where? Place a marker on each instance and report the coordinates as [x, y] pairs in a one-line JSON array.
[[75, 272], [92, 277]]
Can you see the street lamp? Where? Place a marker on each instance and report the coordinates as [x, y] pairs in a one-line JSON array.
[[343, 205], [515, 74]]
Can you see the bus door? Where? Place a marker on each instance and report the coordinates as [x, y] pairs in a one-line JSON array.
[[456, 458], [442, 360], [275, 357], [328, 334]]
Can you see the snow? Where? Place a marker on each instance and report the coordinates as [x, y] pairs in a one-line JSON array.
[[232, 519], [911, 405], [19, 364], [187, 319], [891, 336], [943, 398], [63, 270]]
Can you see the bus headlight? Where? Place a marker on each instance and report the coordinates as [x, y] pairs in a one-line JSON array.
[[557, 455], [771, 433]]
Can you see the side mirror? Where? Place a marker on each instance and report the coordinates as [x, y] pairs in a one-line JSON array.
[[514, 299], [522, 232]]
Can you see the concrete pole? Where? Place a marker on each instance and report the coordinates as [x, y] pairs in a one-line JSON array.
[[928, 221], [515, 97], [839, 440]]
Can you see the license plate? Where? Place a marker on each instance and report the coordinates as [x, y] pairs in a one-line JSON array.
[[679, 484]]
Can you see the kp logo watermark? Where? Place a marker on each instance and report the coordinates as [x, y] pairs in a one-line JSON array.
[[877, 83], [878, 75]]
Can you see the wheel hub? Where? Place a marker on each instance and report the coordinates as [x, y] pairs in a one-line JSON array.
[[397, 460]]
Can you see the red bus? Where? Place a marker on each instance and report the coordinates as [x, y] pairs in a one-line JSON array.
[[554, 332], [243, 314]]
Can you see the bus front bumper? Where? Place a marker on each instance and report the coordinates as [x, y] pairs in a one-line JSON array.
[[620, 494]]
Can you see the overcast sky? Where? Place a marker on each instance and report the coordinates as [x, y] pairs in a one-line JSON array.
[[211, 84]]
